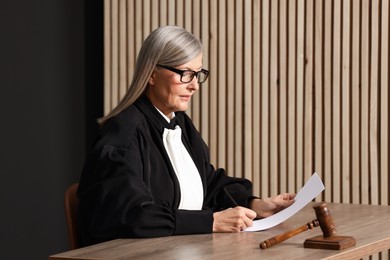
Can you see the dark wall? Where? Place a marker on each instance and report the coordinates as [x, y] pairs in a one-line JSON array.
[[51, 76]]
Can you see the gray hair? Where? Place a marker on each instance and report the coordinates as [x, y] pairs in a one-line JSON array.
[[167, 45]]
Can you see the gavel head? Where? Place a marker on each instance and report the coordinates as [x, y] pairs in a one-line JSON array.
[[325, 220]]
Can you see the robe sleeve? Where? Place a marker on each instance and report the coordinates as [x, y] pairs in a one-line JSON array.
[[115, 201], [219, 184]]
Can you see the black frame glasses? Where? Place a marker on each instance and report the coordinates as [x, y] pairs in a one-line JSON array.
[[186, 76]]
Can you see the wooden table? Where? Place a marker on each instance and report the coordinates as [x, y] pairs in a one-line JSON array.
[[368, 224]]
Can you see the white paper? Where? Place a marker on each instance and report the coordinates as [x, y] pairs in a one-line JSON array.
[[310, 190]]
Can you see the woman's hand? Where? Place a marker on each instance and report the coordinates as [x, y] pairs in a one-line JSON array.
[[233, 219], [269, 206]]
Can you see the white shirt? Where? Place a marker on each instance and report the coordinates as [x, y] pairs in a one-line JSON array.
[[191, 188]]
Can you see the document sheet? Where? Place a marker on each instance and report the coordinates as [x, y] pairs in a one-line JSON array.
[[310, 190]]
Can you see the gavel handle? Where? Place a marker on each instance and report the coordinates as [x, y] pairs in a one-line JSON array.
[[279, 238]]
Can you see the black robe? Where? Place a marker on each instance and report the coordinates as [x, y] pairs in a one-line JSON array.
[[128, 187]]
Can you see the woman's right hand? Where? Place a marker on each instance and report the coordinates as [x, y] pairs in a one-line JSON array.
[[233, 219]]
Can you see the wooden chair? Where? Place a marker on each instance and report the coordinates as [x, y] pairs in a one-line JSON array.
[[71, 211]]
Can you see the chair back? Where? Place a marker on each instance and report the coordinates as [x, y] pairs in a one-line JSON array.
[[71, 212]]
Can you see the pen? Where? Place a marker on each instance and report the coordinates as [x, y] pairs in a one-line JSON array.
[[230, 197]]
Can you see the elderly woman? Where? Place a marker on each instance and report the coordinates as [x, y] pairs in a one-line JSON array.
[[149, 172]]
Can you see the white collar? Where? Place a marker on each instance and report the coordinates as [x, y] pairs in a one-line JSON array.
[[166, 118]]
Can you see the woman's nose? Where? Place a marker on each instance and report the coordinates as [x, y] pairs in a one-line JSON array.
[[193, 85]]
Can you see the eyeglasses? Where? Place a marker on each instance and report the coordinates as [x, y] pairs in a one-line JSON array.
[[186, 76]]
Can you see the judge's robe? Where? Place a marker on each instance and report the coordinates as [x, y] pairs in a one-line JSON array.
[[128, 187]]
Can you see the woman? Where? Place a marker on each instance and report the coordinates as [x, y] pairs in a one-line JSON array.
[[149, 173]]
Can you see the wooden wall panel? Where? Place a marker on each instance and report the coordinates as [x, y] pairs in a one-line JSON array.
[[296, 86]]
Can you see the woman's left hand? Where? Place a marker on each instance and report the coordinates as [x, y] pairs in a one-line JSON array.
[[269, 206]]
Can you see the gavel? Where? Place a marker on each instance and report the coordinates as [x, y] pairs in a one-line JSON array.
[[329, 240]]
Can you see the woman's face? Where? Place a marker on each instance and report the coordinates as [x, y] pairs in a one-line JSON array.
[[167, 92]]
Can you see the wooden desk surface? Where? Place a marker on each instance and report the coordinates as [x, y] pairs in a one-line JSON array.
[[368, 224]]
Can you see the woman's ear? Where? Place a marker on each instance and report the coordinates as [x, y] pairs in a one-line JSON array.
[[152, 78]]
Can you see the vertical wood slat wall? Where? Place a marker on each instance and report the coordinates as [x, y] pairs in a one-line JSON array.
[[296, 86]]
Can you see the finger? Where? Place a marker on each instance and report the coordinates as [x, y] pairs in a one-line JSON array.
[[248, 222], [243, 223], [291, 196], [288, 196], [246, 217], [286, 203], [251, 214]]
